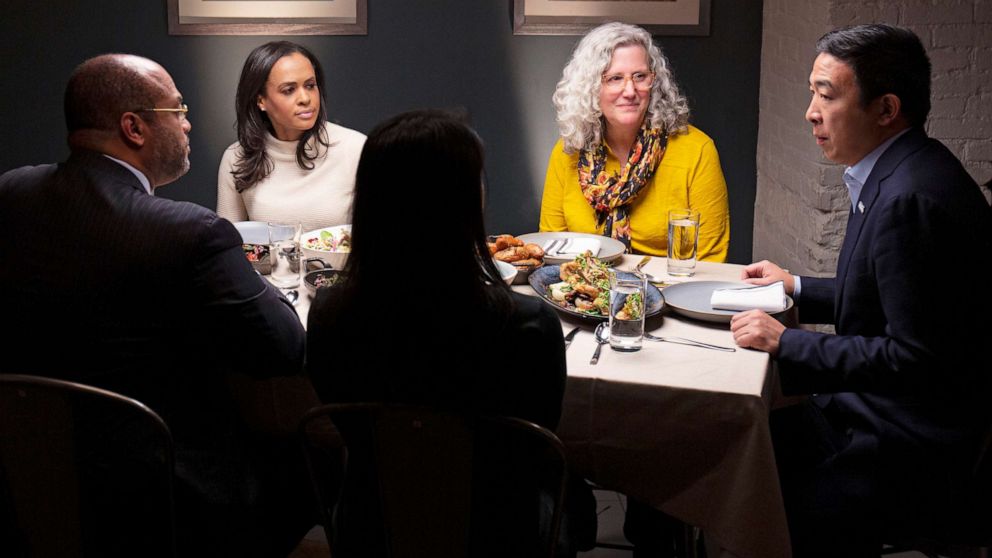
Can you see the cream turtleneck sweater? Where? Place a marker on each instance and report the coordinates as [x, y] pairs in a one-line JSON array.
[[316, 198]]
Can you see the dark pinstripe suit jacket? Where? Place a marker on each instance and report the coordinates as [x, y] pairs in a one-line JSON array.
[[107, 285]]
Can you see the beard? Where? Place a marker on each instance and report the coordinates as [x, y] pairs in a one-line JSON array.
[[170, 157]]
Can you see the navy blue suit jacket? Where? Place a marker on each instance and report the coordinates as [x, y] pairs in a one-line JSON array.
[[104, 284], [908, 365]]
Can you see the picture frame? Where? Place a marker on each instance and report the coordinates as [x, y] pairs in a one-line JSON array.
[[577, 17], [268, 17]]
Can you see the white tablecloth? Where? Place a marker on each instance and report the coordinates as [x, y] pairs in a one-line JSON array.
[[683, 428]]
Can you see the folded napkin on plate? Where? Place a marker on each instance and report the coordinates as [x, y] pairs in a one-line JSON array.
[[575, 246], [770, 298]]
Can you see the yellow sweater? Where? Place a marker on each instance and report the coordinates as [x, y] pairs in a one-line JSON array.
[[689, 176]]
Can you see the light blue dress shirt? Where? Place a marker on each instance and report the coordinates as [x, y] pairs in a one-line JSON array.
[[855, 177]]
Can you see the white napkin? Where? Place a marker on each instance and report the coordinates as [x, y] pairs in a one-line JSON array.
[[575, 246], [770, 298]]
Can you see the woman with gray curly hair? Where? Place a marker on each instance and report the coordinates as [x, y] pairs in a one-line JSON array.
[[627, 153]]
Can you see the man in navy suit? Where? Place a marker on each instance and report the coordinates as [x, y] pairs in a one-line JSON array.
[[104, 283], [903, 388]]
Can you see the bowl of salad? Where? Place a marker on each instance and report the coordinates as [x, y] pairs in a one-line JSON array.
[[330, 244]]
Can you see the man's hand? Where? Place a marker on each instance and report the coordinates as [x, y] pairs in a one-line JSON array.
[[765, 273], [755, 329]]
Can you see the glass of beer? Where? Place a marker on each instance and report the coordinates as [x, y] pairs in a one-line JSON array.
[[683, 241]]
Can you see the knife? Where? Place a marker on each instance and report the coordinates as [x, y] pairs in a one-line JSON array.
[[570, 336]]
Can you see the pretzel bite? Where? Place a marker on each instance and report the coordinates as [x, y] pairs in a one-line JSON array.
[[505, 241], [512, 254], [534, 250]]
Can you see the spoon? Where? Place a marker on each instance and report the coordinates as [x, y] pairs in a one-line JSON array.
[[292, 296], [602, 338]]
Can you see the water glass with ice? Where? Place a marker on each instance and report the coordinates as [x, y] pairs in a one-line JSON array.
[[683, 241], [628, 292], [284, 252]]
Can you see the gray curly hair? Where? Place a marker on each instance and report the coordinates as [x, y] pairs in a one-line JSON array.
[[576, 98]]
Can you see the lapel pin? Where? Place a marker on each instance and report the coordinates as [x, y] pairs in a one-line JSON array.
[[861, 207]]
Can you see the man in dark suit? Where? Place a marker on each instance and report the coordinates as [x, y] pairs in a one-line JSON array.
[[104, 283], [903, 385]]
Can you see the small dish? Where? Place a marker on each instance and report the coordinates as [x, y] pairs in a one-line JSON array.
[[507, 272], [523, 272], [321, 278]]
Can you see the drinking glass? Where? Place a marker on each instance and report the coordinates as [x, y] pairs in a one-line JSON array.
[[683, 241], [284, 251], [628, 292]]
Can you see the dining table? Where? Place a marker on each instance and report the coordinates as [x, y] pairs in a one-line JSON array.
[[682, 428]]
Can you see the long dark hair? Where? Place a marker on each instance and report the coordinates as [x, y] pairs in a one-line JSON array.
[[254, 163], [417, 219]]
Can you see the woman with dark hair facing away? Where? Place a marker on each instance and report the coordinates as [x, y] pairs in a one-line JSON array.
[[474, 345], [289, 164]]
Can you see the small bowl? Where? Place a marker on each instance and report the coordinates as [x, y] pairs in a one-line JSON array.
[[506, 271], [335, 259], [255, 242], [258, 257], [524, 271], [321, 278]]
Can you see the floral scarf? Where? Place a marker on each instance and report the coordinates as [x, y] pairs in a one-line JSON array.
[[611, 195]]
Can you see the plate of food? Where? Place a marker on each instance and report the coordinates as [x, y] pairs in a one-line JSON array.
[[692, 300], [581, 288], [562, 247], [330, 244]]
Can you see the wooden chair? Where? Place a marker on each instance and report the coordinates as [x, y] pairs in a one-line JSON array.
[[83, 472], [426, 467]]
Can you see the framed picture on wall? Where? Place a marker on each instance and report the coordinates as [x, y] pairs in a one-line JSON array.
[[576, 17], [268, 17]]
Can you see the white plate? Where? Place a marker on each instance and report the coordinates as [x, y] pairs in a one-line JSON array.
[[610, 249], [692, 299], [253, 232]]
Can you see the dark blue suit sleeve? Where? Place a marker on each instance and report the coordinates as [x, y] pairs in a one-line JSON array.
[[912, 333], [257, 328], [816, 303]]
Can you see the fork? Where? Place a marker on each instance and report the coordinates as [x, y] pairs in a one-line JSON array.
[[640, 265], [553, 246], [690, 342]]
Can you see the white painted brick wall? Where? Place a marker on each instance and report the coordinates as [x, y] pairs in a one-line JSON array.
[[801, 206]]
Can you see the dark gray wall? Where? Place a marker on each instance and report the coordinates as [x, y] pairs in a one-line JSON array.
[[441, 53]]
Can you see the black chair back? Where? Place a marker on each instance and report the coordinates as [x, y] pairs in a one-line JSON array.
[[83, 472], [435, 474]]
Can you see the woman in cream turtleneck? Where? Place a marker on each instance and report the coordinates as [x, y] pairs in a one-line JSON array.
[[289, 164]]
